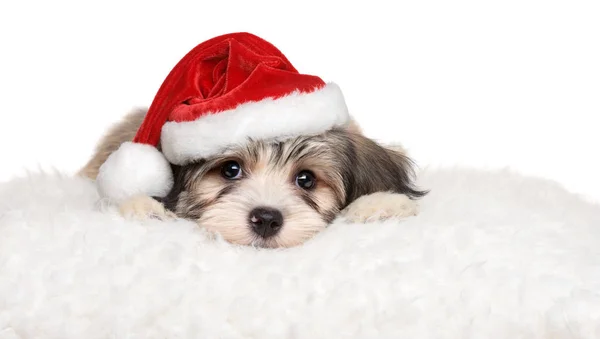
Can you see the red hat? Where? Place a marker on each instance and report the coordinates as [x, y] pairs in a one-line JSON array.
[[225, 91]]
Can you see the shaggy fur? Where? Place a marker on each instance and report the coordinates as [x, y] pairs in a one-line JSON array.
[[346, 165], [491, 255]]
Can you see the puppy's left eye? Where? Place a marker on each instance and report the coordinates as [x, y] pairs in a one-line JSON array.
[[231, 170], [306, 180]]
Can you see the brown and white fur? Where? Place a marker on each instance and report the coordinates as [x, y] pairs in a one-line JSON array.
[[349, 176]]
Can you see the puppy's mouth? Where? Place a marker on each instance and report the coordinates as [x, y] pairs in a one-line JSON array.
[[263, 243]]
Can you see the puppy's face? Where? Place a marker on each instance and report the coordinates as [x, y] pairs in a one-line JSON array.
[[279, 194]]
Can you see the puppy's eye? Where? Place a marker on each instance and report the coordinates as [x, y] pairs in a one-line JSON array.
[[231, 170], [306, 180]]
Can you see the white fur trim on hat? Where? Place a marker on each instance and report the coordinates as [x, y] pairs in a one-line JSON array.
[[134, 169], [293, 115]]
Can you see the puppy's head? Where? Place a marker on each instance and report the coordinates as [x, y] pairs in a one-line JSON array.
[[280, 193]]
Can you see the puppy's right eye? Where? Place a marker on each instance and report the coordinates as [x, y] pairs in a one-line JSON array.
[[306, 180], [231, 170]]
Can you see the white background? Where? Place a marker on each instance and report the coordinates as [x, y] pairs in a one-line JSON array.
[[479, 83]]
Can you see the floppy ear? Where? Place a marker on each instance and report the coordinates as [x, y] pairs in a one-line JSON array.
[[184, 176], [179, 185], [374, 168]]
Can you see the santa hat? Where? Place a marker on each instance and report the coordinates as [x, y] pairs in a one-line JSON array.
[[225, 91]]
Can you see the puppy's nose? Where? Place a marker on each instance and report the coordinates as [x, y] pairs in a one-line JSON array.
[[266, 221]]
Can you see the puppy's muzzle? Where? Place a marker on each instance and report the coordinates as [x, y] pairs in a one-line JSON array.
[[265, 221]]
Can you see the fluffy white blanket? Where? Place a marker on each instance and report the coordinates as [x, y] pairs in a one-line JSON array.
[[491, 255]]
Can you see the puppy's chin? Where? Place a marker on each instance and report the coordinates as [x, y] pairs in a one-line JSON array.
[[242, 234]]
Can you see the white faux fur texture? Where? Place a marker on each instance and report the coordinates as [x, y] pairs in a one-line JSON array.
[[134, 169], [292, 115], [491, 255]]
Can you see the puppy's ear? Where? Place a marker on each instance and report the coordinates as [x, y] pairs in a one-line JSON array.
[[179, 185], [374, 168]]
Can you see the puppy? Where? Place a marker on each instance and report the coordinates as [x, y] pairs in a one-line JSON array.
[[277, 194]]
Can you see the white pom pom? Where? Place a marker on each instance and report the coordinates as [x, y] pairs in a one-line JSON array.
[[132, 170]]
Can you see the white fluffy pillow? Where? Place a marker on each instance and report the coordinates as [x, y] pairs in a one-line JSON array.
[[491, 255]]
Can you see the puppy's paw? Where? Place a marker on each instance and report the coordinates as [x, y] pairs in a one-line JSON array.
[[144, 207], [380, 206]]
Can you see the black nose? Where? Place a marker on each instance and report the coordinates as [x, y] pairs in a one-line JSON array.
[[266, 221]]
